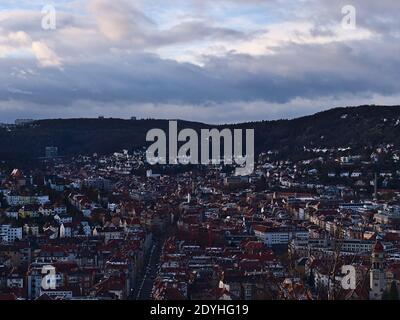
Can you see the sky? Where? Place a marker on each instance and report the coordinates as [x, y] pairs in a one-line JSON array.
[[215, 61]]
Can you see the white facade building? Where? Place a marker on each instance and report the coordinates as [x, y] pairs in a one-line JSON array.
[[279, 236], [9, 234]]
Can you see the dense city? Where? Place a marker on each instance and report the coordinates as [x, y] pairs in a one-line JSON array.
[[115, 228]]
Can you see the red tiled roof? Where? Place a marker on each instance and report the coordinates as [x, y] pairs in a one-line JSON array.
[[378, 247]]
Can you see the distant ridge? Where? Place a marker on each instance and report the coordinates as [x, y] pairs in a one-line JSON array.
[[358, 127]]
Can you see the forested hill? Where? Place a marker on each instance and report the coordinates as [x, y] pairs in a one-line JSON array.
[[352, 126]]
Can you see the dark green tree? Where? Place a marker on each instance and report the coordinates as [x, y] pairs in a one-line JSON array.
[[311, 280], [393, 293]]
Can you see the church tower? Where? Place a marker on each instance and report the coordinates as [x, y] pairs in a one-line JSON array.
[[62, 231], [377, 275]]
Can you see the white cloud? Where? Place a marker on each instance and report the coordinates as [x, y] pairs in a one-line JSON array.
[[118, 20], [45, 56], [19, 41]]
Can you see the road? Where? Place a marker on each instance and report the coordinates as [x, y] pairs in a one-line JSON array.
[[145, 281]]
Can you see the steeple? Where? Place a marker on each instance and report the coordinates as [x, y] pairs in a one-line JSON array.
[[377, 272], [62, 231]]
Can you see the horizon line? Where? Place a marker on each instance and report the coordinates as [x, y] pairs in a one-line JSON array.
[[134, 118]]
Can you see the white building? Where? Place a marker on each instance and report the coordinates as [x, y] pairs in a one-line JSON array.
[[12, 213], [21, 200], [9, 234], [280, 235], [60, 209]]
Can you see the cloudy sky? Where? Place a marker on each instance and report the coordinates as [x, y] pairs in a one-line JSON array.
[[207, 60]]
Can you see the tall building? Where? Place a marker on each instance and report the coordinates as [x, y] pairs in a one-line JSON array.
[[377, 274], [20, 122], [51, 152]]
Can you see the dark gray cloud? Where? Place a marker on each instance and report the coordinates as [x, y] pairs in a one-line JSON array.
[[306, 71]]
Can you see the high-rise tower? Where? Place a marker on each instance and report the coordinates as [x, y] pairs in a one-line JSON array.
[[377, 274]]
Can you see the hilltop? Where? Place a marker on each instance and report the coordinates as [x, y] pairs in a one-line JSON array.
[[358, 127]]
